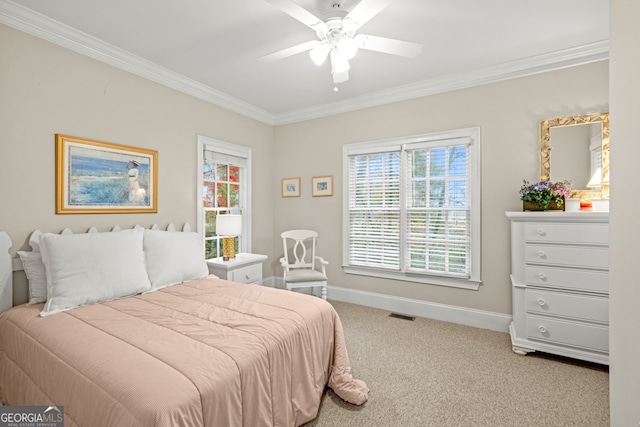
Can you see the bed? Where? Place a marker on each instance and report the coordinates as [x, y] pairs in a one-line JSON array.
[[186, 348]]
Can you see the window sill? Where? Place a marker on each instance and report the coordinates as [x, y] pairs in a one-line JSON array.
[[419, 278]]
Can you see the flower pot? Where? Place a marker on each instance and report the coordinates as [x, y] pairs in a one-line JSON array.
[[537, 206]]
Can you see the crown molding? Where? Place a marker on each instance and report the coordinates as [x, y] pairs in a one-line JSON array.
[[31, 22], [593, 52]]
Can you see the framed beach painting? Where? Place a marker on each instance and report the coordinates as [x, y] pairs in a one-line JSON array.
[[322, 186], [101, 177], [290, 187]]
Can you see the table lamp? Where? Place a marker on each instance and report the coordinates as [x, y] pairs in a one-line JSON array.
[[596, 179], [228, 227], [595, 182]]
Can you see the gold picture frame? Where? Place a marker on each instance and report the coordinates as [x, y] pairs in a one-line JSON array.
[[291, 187], [322, 186], [545, 151], [95, 177]]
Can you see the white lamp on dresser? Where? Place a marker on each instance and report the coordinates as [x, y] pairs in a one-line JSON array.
[[560, 283]]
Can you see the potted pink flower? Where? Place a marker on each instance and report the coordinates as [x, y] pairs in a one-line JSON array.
[[545, 195]]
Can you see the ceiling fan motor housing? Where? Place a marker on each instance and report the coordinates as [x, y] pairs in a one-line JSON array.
[[335, 31]]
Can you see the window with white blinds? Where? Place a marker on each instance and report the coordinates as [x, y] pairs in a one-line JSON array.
[[374, 210], [413, 208]]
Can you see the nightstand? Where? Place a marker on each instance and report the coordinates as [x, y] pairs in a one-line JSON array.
[[244, 268]]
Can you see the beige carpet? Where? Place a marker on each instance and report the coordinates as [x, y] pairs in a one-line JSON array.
[[431, 373]]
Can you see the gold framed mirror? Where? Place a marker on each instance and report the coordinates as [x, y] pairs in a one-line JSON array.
[[580, 147]]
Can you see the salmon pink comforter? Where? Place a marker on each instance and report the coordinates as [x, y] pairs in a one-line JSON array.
[[203, 353]]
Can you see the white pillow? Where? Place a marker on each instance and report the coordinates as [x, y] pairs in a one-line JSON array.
[[36, 275], [173, 257], [88, 268]]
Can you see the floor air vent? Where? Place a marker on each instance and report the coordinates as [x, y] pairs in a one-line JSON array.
[[402, 316]]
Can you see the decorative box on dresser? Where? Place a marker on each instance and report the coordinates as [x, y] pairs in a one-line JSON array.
[[560, 284]]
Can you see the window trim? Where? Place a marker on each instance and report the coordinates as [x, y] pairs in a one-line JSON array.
[[211, 144], [395, 144]]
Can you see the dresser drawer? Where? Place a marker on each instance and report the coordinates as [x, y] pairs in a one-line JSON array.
[[568, 333], [588, 234], [590, 257], [582, 280], [250, 274], [580, 307]]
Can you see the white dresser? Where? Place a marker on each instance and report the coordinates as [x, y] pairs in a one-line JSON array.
[[560, 283]]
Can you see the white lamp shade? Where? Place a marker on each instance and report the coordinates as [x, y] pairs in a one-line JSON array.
[[339, 64], [347, 47], [229, 225], [319, 53]]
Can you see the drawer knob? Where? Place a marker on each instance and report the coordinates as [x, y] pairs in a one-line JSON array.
[[541, 302], [542, 329], [247, 276], [541, 254], [540, 231], [542, 276]]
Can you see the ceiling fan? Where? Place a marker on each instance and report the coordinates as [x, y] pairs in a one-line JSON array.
[[337, 38]]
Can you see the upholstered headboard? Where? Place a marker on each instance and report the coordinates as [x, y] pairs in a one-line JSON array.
[[8, 264]]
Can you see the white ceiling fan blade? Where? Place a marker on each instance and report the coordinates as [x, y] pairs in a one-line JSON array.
[[385, 45], [301, 14], [290, 51], [364, 11]]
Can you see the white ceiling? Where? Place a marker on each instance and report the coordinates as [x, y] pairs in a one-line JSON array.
[[210, 48]]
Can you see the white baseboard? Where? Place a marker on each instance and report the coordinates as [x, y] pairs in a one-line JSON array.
[[273, 282], [430, 310], [448, 313]]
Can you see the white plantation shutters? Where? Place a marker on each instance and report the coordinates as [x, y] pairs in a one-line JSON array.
[[413, 209]]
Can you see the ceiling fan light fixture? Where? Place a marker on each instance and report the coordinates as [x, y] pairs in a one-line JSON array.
[[319, 53], [340, 77], [337, 38], [347, 47], [339, 67], [339, 63]]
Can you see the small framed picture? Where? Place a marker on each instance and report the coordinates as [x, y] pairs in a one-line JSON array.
[[322, 186], [290, 187]]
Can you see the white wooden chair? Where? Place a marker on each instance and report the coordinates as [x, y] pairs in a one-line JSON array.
[[302, 268]]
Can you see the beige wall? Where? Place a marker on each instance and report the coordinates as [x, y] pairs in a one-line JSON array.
[[624, 306], [507, 113], [46, 89]]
